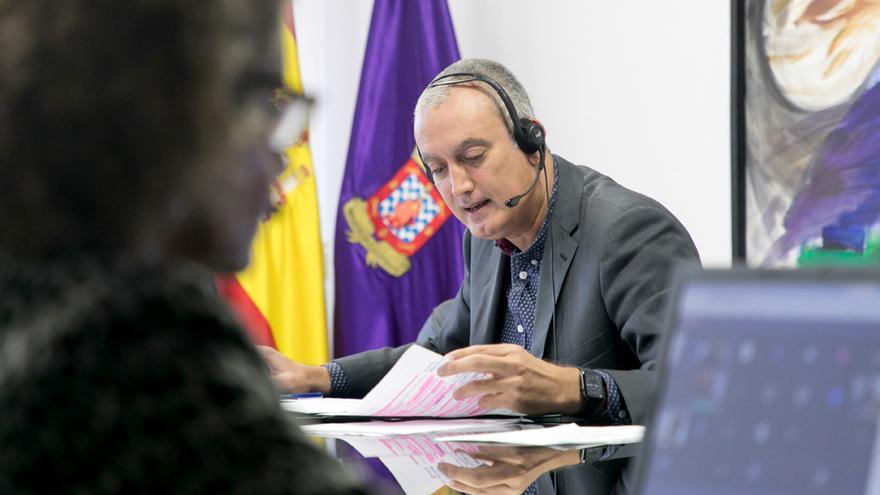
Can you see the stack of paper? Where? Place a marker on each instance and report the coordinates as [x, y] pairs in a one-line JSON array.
[[569, 434], [413, 427], [411, 388]]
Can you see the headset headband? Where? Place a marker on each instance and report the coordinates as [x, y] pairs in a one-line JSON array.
[[528, 135]]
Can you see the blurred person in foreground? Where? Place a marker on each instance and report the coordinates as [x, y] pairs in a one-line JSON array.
[[134, 163]]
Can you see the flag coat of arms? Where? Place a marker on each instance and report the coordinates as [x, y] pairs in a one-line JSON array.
[[396, 221]]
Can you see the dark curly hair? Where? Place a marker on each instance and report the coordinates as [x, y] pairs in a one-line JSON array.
[[109, 109]]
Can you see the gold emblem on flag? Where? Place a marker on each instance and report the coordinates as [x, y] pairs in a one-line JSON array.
[[394, 223]]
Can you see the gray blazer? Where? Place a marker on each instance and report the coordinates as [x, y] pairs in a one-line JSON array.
[[612, 259]]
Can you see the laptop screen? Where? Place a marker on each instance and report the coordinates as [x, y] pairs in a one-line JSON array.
[[771, 386]]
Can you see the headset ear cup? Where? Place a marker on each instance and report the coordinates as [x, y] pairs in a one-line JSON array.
[[532, 136]]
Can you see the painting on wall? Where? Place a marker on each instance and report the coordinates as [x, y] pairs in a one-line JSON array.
[[806, 131]]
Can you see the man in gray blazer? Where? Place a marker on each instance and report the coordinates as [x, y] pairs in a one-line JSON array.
[[564, 293]]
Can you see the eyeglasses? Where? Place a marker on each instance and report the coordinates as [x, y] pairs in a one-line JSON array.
[[290, 111]]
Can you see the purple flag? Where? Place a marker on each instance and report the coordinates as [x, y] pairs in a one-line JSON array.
[[398, 247]]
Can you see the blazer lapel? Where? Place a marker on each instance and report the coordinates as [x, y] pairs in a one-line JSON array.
[[556, 261], [564, 248], [487, 295]]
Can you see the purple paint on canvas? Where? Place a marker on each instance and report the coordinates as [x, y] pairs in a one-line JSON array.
[[819, 122], [841, 195], [410, 41]]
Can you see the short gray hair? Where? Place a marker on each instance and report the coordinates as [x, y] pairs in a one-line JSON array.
[[433, 96]]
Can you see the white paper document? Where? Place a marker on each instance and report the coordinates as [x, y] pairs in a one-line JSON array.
[[411, 388], [569, 434], [412, 427], [327, 405]]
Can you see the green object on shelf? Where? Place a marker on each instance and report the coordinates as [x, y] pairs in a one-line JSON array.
[[813, 256]]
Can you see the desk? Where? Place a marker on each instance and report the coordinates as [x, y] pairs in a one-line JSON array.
[[415, 466]]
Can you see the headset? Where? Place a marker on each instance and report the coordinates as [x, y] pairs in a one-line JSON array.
[[530, 138], [529, 135]]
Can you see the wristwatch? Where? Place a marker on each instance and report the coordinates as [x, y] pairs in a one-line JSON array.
[[596, 454], [592, 393]]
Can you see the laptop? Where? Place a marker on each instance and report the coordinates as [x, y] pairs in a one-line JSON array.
[[769, 385]]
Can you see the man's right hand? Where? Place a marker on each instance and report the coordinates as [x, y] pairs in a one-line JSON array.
[[506, 469], [292, 377]]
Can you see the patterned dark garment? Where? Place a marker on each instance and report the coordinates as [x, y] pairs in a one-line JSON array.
[[118, 379], [522, 299]]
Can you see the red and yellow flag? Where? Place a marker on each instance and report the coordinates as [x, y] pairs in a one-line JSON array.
[[280, 296]]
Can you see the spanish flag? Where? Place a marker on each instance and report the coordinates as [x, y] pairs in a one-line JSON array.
[[280, 296]]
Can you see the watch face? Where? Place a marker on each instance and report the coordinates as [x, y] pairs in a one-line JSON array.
[[592, 391], [594, 387]]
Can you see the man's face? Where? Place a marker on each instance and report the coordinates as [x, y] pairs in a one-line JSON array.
[[476, 164]]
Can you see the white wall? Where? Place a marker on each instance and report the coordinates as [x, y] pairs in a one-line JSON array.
[[638, 90]]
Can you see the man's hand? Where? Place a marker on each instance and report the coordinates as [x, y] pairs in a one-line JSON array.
[[518, 381], [507, 470], [293, 377]]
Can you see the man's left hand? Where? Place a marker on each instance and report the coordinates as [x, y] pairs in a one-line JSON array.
[[518, 381]]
